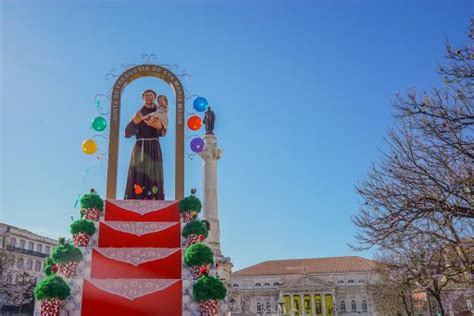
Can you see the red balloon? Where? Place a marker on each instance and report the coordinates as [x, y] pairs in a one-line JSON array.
[[194, 123]]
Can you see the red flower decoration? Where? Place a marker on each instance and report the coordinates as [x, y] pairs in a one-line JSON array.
[[201, 237], [204, 269], [54, 268]]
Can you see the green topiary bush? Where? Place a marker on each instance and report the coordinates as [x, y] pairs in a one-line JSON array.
[[190, 203], [206, 222], [195, 227], [83, 226], [198, 254], [209, 288], [47, 266], [66, 252], [52, 286], [92, 200]]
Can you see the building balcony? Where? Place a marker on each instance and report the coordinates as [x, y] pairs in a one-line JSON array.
[[27, 252]]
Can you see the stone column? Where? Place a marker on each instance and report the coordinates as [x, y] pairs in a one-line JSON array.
[[323, 303], [313, 305], [210, 155]]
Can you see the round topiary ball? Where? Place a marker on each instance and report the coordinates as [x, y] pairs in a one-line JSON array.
[[52, 286], [209, 288]]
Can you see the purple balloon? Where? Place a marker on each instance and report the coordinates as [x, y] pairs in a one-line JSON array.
[[197, 145]]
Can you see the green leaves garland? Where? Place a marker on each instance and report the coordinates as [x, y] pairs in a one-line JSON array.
[[52, 286]]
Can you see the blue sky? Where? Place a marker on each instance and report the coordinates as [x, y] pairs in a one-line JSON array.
[[301, 90]]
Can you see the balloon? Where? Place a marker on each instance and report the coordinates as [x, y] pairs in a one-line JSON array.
[[89, 146], [200, 104], [194, 123], [99, 124], [197, 145]]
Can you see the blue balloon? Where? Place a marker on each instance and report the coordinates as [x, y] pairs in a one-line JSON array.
[[200, 104]]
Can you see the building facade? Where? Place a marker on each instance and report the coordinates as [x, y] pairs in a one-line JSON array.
[[23, 253], [318, 286]]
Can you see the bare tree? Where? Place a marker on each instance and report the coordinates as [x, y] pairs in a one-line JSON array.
[[391, 296], [423, 187], [16, 292]]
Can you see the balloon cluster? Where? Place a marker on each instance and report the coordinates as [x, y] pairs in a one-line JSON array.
[[98, 124], [195, 123]]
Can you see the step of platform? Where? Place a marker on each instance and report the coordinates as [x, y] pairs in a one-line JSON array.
[[138, 297], [136, 263], [141, 210], [139, 234]]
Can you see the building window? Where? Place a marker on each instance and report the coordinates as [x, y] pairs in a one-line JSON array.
[[364, 305], [31, 246], [361, 281], [259, 308], [258, 284], [350, 281], [340, 281], [13, 241], [46, 250], [235, 285], [353, 306], [343, 306], [20, 263], [29, 264], [268, 306], [267, 284], [38, 266], [39, 248], [22, 244], [276, 284]]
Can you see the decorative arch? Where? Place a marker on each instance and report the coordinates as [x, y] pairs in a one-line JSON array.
[[145, 70]]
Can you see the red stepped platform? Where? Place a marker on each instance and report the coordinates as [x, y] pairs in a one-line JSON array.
[[136, 268]]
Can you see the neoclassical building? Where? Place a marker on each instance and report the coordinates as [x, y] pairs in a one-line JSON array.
[[317, 286], [22, 251]]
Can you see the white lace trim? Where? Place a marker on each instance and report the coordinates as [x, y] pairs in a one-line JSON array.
[[132, 288], [136, 256], [139, 228], [142, 206]]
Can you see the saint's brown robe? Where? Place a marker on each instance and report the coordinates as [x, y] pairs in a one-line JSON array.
[[145, 173]]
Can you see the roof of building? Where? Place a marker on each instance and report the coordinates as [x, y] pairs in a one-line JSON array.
[[4, 228], [310, 265]]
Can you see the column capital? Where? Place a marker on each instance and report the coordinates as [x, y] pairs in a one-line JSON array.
[[211, 148]]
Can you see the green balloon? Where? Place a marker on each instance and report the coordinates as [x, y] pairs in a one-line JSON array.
[[99, 124]]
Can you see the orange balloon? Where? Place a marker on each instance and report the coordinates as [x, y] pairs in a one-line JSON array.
[[194, 123]]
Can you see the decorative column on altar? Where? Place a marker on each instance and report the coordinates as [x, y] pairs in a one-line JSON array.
[[210, 155]]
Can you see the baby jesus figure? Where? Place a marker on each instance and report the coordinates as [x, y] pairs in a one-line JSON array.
[[161, 112]]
